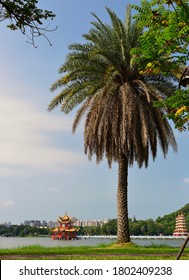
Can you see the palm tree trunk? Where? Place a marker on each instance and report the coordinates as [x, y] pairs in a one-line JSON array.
[[123, 234]]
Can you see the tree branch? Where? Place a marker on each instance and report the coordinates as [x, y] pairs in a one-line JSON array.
[[25, 14]]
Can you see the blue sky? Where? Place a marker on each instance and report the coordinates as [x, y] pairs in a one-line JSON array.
[[43, 169]]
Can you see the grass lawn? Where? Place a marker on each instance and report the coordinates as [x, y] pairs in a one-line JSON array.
[[101, 252]]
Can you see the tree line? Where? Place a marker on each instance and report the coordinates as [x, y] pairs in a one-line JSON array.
[[22, 231], [161, 226], [137, 228], [140, 227]]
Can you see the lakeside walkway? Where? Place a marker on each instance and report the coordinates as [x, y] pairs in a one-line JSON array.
[[135, 236]]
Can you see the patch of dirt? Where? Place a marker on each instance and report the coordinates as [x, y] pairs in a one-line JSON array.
[[58, 256]]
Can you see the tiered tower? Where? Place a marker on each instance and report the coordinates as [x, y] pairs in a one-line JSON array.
[[65, 229], [180, 227]]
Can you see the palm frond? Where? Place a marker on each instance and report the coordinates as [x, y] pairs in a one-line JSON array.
[[115, 100]]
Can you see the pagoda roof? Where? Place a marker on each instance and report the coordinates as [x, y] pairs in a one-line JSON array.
[[68, 229], [65, 219], [64, 229], [54, 229]]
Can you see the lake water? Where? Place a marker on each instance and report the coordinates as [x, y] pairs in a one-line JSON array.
[[15, 242]]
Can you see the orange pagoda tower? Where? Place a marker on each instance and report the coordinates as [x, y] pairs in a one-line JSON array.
[[180, 227], [65, 229]]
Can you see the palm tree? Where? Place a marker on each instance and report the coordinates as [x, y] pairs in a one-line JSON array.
[[121, 122]]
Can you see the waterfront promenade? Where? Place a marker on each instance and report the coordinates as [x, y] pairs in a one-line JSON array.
[[136, 236]]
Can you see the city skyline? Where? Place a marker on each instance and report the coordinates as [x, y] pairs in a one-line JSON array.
[[78, 220], [44, 223]]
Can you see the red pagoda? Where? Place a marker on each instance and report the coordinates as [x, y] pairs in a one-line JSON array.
[[65, 229], [180, 227]]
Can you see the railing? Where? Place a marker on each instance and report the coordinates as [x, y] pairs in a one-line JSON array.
[[136, 236]]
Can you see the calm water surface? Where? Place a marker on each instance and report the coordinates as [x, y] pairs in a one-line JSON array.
[[15, 242]]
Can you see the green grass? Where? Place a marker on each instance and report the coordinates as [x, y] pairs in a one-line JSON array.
[[101, 252]]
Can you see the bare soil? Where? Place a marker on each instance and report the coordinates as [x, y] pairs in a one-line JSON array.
[[98, 256]]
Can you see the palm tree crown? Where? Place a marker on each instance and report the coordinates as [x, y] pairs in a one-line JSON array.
[[121, 122]]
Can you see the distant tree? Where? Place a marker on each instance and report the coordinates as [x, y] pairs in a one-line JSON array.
[[3, 230], [134, 219], [27, 17], [160, 228], [117, 101], [135, 228], [98, 230], [151, 227], [109, 228], [143, 228], [89, 230]]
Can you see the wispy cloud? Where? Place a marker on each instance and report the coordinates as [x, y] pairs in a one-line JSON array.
[[186, 180], [26, 139], [53, 189], [7, 203]]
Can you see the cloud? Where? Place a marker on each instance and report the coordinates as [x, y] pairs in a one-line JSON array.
[[26, 139], [186, 180], [7, 203], [53, 189]]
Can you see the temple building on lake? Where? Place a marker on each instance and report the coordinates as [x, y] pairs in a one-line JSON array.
[[65, 229], [180, 226]]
